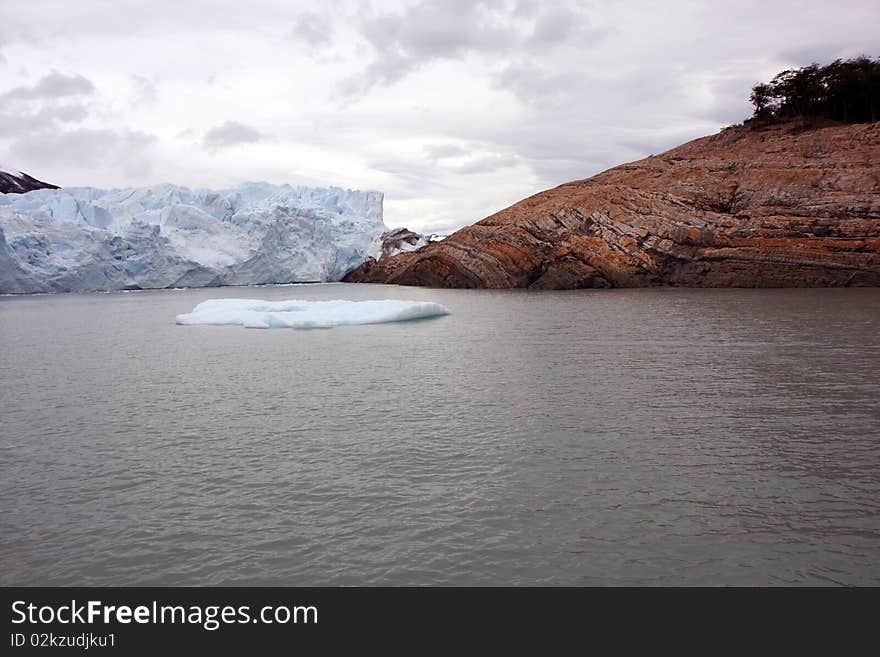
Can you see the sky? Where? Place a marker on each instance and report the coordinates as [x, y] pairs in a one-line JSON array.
[[454, 109]]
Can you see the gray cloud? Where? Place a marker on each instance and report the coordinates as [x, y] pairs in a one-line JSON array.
[[313, 30], [433, 30], [231, 133], [729, 99], [527, 7], [821, 53], [43, 107], [51, 86], [538, 86], [20, 122], [485, 164], [439, 151], [144, 91], [43, 123], [474, 159], [51, 21], [84, 147], [553, 26]]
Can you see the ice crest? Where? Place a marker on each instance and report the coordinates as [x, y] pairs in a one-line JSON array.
[[297, 314], [85, 239]]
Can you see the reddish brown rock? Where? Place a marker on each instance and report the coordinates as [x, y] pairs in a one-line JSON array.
[[787, 205]]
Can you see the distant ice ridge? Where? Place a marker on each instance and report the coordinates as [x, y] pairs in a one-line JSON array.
[[255, 313], [86, 239]]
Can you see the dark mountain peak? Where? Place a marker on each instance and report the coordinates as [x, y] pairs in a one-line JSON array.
[[18, 182]]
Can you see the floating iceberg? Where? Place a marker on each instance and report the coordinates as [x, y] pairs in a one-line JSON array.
[[255, 313]]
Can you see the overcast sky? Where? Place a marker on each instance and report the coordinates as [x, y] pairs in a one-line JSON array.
[[454, 109]]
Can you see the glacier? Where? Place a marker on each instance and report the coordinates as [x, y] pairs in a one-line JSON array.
[[85, 239], [293, 313]]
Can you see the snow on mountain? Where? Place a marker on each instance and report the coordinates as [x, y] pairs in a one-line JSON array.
[[13, 181], [400, 240], [86, 239]]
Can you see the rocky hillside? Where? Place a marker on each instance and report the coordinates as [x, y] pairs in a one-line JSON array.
[[788, 205]]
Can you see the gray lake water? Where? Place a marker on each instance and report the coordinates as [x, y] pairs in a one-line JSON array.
[[659, 436]]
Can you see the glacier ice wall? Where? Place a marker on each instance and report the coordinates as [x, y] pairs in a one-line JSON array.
[[85, 239]]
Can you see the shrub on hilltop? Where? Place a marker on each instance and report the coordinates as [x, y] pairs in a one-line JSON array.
[[845, 90]]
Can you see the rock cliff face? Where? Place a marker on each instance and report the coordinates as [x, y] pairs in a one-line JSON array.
[[786, 205]]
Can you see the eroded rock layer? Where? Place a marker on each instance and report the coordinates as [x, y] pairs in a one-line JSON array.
[[787, 205]]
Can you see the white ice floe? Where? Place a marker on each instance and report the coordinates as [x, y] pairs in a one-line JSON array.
[[293, 313]]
